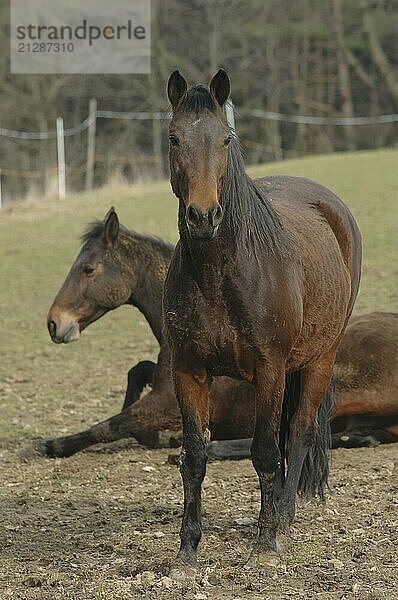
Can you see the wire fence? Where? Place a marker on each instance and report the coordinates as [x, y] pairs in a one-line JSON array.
[[150, 116], [60, 133]]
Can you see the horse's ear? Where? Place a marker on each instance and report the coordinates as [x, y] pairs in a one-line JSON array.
[[111, 227], [176, 88], [220, 87]]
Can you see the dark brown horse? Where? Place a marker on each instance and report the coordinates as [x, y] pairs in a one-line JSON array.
[[365, 411], [260, 288]]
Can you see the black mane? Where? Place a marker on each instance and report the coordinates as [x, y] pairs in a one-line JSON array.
[[248, 209], [95, 230]]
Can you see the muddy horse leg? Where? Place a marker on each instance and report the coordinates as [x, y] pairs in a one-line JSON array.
[[266, 456], [137, 378], [193, 396], [310, 440]]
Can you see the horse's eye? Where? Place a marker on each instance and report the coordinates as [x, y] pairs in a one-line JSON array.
[[88, 270], [173, 140], [226, 142]]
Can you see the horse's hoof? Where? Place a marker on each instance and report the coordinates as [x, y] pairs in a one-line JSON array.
[[269, 558], [27, 453], [183, 567], [182, 572], [35, 450], [371, 442], [263, 559]]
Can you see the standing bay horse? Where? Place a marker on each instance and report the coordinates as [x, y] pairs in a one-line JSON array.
[[260, 288]]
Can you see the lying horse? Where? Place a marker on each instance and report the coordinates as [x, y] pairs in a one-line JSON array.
[[365, 412], [260, 288]]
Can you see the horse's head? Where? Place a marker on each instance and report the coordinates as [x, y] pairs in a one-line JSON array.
[[93, 286], [199, 136]]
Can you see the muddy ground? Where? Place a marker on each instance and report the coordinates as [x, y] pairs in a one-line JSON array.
[[104, 525]]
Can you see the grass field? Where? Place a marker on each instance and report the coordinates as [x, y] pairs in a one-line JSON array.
[[48, 390], [38, 242]]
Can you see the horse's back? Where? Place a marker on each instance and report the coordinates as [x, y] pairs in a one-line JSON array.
[[299, 198], [366, 367]]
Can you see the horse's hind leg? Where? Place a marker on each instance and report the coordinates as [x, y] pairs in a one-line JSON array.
[[266, 457], [364, 439], [308, 464]]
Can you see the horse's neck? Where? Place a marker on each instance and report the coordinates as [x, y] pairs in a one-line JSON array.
[[149, 273]]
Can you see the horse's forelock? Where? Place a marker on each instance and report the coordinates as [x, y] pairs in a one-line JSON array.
[[197, 99]]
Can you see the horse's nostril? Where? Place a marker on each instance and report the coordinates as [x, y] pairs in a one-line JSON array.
[[52, 328], [193, 216], [215, 215]]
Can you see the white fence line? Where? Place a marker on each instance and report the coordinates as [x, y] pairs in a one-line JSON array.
[[307, 120], [145, 116], [137, 116], [45, 135], [155, 116]]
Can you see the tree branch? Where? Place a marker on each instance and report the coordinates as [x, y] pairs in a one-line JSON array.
[[376, 51]]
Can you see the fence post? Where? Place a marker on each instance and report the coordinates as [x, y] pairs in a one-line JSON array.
[[92, 117], [229, 113], [61, 158], [157, 145]]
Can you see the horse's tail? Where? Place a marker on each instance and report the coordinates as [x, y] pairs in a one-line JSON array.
[[289, 407], [315, 470]]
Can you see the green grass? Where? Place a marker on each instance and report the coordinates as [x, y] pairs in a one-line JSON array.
[[48, 389]]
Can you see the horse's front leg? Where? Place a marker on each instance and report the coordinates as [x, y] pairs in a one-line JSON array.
[[266, 456], [137, 378], [192, 391]]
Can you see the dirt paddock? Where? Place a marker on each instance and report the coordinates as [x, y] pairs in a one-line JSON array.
[[104, 525]]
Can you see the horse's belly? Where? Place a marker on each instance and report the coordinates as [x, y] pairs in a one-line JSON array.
[[324, 320], [316, 338]]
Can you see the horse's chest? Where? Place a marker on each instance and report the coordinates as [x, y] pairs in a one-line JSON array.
[[206, 334]]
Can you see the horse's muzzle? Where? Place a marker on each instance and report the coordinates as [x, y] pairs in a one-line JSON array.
[[203, 226], [63, 330]]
